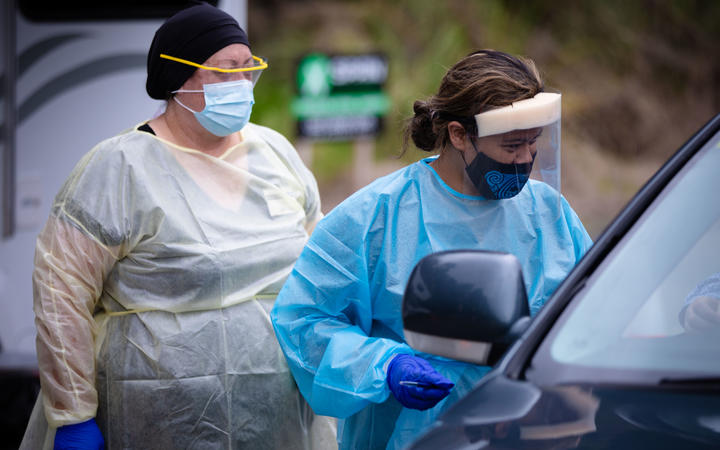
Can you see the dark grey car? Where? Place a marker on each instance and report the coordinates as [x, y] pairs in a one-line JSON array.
[[615, 359]]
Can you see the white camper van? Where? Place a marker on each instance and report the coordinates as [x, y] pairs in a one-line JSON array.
[[72, 73]]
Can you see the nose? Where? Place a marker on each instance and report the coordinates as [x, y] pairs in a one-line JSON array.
[[237, 76], [525, 153]]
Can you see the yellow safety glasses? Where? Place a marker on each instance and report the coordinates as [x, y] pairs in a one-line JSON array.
[[251, 73]]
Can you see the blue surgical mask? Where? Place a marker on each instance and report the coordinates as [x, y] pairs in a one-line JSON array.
[[228, 106], [496, 180]]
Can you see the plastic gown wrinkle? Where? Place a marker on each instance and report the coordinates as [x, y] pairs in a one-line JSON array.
[[69, 269], [362, 254], [185, 353], [192, 214]]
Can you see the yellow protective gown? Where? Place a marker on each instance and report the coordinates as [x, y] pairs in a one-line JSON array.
[[154, 278]]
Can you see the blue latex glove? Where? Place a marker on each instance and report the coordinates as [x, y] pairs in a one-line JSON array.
[[80, 436], [415, 383]]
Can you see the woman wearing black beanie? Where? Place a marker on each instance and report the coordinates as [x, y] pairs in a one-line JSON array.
[[161, 260]]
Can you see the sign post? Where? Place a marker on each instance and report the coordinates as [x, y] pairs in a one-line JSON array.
[[340, 97]]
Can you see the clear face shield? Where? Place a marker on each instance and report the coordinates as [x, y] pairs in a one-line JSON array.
[[250, 70], [516, 144]]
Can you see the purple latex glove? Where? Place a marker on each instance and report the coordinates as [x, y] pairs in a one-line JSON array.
[[415, 383], [80, 436]]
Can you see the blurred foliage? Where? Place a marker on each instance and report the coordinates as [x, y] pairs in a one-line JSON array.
[[637, 77]]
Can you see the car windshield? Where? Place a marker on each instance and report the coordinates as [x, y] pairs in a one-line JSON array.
[[631, 314]]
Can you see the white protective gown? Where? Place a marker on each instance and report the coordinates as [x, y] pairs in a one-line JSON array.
[[154, 278]]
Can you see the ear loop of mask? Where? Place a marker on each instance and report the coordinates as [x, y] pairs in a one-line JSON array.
[[470, 137], [183, 91]]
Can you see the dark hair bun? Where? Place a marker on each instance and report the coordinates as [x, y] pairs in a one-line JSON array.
[[421, 127]]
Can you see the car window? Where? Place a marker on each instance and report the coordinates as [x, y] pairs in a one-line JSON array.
[[629, 316]]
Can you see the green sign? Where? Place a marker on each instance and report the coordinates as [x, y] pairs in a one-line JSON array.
[[351, 104], [339, 93]]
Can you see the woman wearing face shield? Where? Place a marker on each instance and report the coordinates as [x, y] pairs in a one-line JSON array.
[[157, 269], [493, 186]]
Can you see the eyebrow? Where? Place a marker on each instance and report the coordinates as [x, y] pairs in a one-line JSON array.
[[233, 60], [513, 140]]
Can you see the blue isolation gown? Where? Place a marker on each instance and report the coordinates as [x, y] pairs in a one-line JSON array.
[[338, 316]]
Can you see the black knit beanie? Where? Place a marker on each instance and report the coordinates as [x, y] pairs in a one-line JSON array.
[[194, 34]]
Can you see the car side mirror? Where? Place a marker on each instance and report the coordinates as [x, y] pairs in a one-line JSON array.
[[468, 305]]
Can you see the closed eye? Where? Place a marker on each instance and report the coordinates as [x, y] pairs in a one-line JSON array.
[[512, 147]]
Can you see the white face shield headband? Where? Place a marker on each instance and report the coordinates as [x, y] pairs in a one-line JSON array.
[[539, 111]]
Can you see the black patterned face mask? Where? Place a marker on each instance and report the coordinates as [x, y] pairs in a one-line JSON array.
[[495, 180]]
